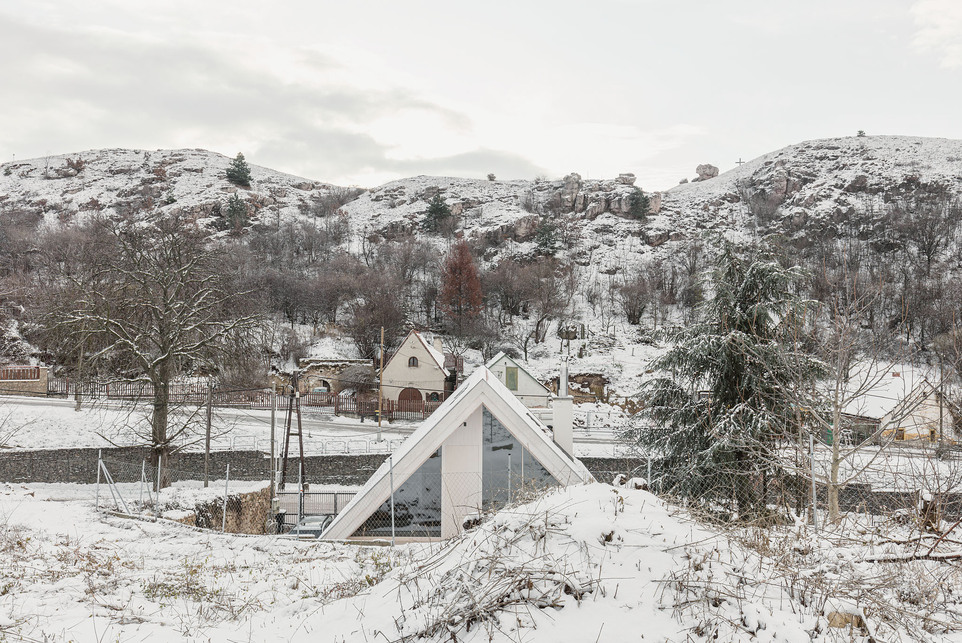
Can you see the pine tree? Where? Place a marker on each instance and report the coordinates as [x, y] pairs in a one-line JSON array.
[[546, 237], [739, 382], [438, 214], [236, 217], [239, 172], [639, 205], [460, 297]]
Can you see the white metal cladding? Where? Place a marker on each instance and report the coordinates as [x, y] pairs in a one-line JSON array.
[[482, 388]]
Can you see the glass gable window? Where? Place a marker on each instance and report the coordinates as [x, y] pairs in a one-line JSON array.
[[508, 471], [417, 506]]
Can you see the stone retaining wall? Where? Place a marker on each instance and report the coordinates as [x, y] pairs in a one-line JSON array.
[[80, 465]]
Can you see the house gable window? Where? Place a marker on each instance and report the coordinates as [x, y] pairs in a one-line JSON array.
[[412, 362]]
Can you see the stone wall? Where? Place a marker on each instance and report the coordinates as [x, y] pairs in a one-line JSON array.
[[28, 387], [80, 465], [247, 513]]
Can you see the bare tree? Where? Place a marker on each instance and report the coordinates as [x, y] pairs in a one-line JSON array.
[[160, 310]]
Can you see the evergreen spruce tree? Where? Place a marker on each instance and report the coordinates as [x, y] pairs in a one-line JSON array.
[[236, 217], [735, 384], [546, 237], [639, 205], [438, 214], [239, 172]]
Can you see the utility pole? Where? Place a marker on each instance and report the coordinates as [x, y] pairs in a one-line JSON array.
[[380, 388], [210, 400]]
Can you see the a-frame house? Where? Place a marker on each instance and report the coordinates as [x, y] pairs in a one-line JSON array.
[[480, 449]]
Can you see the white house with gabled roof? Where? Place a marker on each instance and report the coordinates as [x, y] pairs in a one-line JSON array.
[[480, 449], [519, 381], [416, 372]]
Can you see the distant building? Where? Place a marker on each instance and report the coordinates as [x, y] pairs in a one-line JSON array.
[[519, 381], [903, 405], [326, 375], [417, 372]]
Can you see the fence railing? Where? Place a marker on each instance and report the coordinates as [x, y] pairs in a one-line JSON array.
[[19, 373], [197, 393]]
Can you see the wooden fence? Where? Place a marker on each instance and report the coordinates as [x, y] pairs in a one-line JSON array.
[[196, 393]]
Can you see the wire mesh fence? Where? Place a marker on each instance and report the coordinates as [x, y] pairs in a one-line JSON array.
[[818, 481], [210, 500]]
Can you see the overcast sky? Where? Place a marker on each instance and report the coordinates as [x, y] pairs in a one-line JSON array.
[[364, 92]]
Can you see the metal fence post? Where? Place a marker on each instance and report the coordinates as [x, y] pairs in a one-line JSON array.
[[300, 491], [509, 478], [99, 467], [143, 476], [811, 447], [223, 524], [390, 460]]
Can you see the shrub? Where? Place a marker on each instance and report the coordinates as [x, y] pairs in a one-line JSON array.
[[639, 205]]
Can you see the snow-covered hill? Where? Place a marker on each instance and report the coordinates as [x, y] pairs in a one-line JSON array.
[[587, 563], [817, 188], [71, 186], [829, 186]]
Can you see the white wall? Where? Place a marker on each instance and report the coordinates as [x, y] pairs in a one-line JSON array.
[[461, 475]]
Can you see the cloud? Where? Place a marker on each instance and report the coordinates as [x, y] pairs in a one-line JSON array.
[[939, 30], [69, 90]]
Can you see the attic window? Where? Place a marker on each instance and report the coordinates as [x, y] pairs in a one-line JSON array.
[[413, 362]]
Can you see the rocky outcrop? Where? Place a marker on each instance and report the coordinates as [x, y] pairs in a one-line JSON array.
[[705, 171], [571, 187]]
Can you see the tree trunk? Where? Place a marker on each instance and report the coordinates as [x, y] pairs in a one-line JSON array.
[[158, 428], [833, 486]]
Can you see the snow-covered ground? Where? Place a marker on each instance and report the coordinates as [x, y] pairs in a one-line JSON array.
[[587, 563], [38, 423]]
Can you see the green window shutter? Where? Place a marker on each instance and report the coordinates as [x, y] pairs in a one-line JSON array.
[[511, 377]]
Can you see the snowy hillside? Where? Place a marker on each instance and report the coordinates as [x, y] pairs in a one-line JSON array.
[[817, 188], [589, 563], [829, 185], [65, 187]]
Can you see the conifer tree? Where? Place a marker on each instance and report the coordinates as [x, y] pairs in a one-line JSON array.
[[438, 214], [546, 237], [639, 205], [236, 214], [239, 172], [734, 384]]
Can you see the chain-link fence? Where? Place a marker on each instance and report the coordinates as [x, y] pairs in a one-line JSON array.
[[817, 481], [210, 500]]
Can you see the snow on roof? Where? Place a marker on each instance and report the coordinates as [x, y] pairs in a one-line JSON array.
[[880, 388]]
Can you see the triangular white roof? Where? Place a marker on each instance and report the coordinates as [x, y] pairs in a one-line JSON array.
[[481, 388], [436, 356]]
